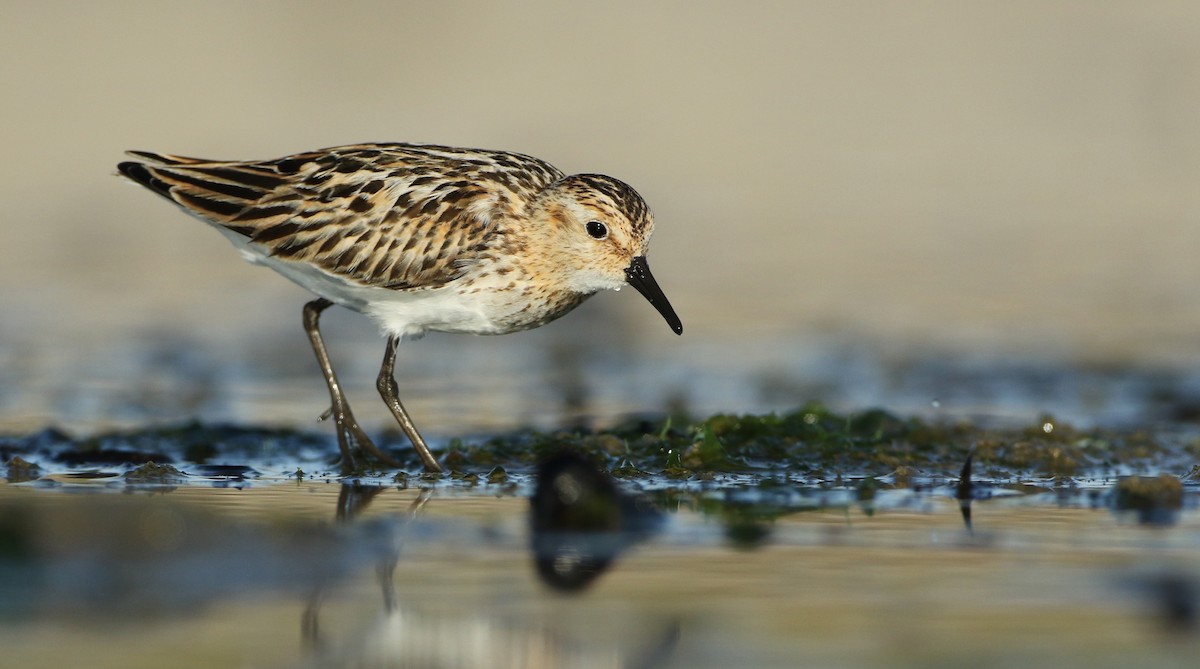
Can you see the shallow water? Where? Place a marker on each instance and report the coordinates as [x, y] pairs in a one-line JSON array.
[[235, 563], [577, 372], [271, 574]]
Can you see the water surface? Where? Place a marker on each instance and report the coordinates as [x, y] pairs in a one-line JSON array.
[[268, 575]]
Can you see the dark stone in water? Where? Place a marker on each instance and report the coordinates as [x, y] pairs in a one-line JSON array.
[[581, 522], [1156, 500]]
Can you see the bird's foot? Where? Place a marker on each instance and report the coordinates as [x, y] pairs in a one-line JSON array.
[[358, 450]]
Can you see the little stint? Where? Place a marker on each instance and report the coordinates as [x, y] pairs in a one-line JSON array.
[[419, 237]]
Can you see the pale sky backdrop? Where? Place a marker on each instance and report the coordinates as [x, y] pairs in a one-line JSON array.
[[1019, 175]]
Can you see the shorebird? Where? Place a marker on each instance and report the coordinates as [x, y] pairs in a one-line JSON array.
[[419, 238]]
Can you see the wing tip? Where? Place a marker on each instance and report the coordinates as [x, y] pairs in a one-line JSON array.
[[140, 173]]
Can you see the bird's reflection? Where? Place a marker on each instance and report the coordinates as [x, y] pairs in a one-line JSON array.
[[407, 639], [125, 559], [580, 522], [353, 498]]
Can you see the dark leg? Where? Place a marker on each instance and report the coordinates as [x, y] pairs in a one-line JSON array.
[[386, 569], [351, 439], [310, 628], [386, 383]]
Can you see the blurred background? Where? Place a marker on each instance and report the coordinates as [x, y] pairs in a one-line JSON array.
[[840, 188]]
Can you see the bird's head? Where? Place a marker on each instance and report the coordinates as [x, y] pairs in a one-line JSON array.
[[601, 229]]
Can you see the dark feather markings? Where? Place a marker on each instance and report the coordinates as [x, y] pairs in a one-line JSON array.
[[330, 243], [250, 195], [251, 177], [621, 194], [349, 166], [430, 207], [258, 213], [289, 249], [342, 191], [275, 232], [218, 208], [384, 214], [243, 230], [292, 165]]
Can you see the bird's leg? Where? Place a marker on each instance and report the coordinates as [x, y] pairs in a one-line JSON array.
[[351, 439], [386, 383]]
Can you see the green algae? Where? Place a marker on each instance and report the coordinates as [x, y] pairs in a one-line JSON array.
[[819, 444], [20, 470], [810, 444], [151, 472]]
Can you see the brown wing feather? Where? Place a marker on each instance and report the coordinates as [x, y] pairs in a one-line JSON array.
[[396, 215]]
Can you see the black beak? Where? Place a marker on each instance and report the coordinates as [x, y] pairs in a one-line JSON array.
[[638, 275]]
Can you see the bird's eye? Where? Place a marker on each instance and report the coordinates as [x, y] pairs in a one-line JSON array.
[[597, 229]]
